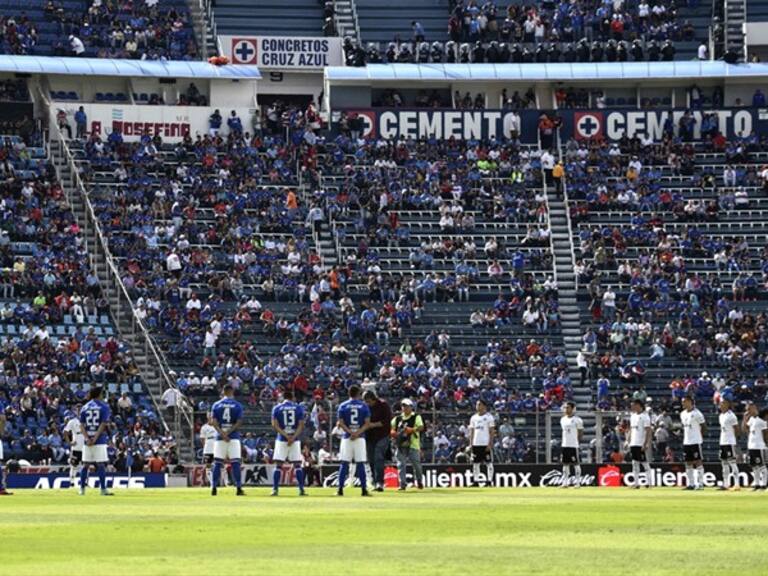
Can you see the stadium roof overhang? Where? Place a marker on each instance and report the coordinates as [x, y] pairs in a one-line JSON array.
[[696, 69], [132, 68]]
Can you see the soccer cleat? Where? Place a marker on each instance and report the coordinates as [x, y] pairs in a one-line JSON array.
[[378, 489], [699, 488], [107, 493], [564, 486], [723, 488], [635, 487], [365, 493], [420, 486], [577, 485], [689, 488], [240, 492], [273, 493], [4, 492], [401, 489], [81, 491], [214, 491], [303, 493], [340, 492], [735, 489]]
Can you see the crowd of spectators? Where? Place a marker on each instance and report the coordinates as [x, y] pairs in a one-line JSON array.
[[45, 284], [139, 30], [660, 282]]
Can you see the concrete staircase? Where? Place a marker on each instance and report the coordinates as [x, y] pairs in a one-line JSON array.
[[346, 19], [735, 17], [149, 362]]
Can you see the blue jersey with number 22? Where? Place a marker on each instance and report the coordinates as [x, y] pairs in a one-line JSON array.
[[353, 413], [91, 417]]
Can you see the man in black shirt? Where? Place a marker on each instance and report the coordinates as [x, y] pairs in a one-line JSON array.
[[377, 436]]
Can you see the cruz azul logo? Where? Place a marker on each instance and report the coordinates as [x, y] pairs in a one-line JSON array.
[[588, 125]]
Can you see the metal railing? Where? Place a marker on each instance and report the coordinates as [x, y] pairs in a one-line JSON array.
[[138, 334], [567, 208]]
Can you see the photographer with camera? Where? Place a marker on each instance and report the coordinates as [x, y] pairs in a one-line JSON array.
[[406, 431]]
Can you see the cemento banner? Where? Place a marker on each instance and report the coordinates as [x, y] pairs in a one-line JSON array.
[[283, 52], [171, 123], [544, 475], [60, 480], [605, 124]]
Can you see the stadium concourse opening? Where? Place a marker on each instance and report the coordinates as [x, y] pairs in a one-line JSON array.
[[257, 255]]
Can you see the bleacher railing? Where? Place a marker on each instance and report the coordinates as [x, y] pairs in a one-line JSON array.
[[139, 333]]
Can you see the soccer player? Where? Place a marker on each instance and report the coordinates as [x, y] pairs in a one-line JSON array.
[[573, 429], [729, 429], [227, 417], [3, 491], [288, 422], [208, 436], [73, 434], [640, 435], [756, 427], [354, 417], [482, 430], [94, 422], [694, 426]]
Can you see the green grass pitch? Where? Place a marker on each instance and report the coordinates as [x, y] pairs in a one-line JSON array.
[[592, 531]]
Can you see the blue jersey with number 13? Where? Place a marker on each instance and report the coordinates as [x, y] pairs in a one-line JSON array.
[[353, 413], [288, 415]]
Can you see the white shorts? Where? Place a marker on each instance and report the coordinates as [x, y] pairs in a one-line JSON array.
[[224, 450], [285, 453], [353, 450], [208, 447], [95, 454], [1, 450]]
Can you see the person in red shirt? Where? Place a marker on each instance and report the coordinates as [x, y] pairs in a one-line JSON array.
[[156, 464]]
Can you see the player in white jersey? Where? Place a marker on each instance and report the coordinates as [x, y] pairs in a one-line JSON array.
[[729, 430], [640, 435], [482, 431], [208, 438], [573, 429], [73, 434], [694, 426], [756, 427]]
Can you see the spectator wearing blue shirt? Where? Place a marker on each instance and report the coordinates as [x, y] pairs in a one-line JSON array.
[[234, 123], [758, 99], [81, 121]]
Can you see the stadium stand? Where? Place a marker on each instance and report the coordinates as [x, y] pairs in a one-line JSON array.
[[262, 310], [271, 18], [534, 32], [671, 262], [146, 29], [57, 338]]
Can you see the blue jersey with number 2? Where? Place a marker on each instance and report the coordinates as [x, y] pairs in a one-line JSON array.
[[227, 413], [288, 415], [353, 413]]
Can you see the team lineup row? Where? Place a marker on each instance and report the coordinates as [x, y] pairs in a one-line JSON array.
[[87, 433]]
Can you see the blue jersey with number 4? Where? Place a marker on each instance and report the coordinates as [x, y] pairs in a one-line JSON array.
[[227, 413], [353, 413], [92, 415], [288, 415]]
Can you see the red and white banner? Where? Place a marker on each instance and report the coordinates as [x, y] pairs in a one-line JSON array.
[[283, 52], [171, 123]]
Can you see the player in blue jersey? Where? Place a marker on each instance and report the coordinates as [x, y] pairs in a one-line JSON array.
[[227, 416], [95, 416], [288, 422], [3, 491], [354, 418]]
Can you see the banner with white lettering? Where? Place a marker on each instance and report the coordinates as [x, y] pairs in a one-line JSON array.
[[612, 125], [543, 475], [60, 480], [171, 123], [283, 52]]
